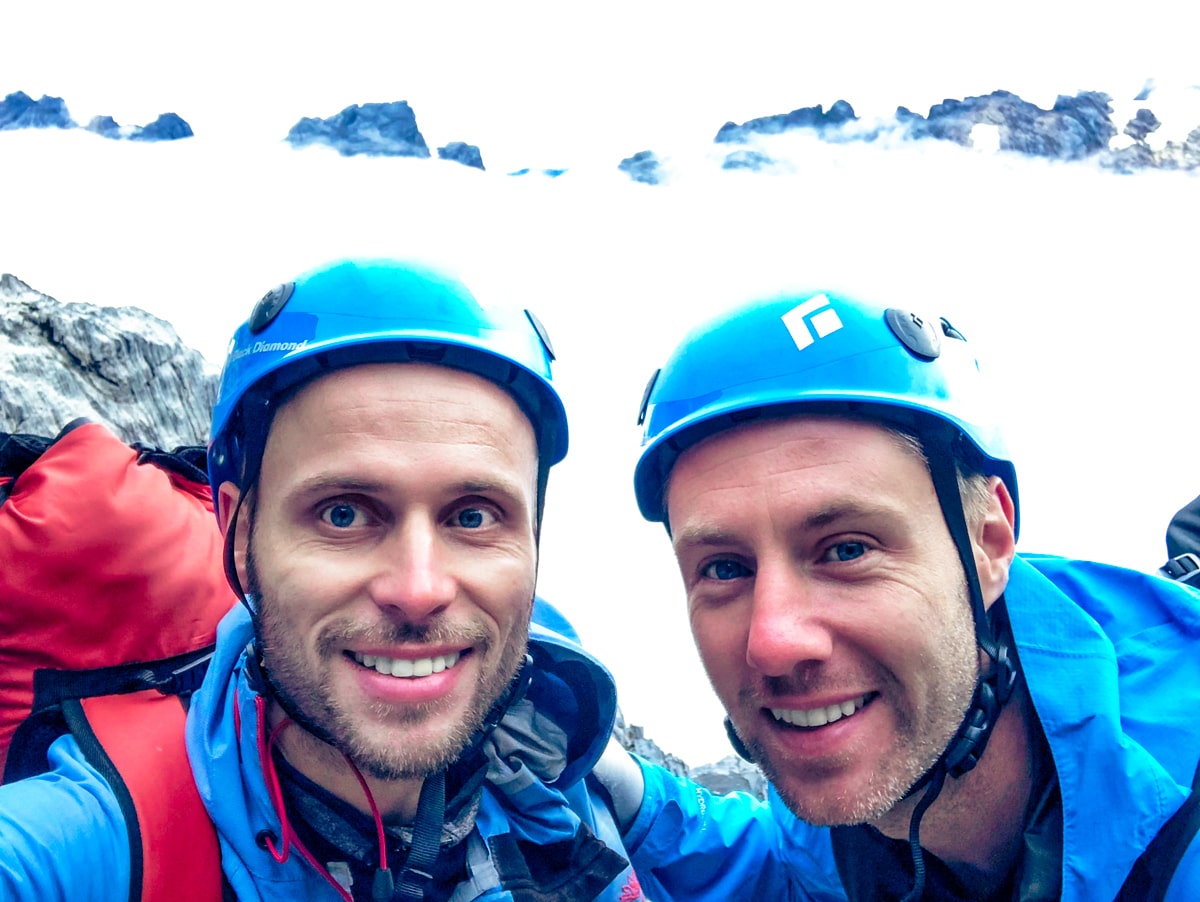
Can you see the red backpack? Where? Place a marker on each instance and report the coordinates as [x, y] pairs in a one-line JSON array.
[[110, 593]]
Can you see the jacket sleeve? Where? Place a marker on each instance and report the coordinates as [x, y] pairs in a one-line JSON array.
[[62, 836], [688, 843]]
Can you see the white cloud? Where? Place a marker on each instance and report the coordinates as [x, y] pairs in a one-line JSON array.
[[1075, 284]]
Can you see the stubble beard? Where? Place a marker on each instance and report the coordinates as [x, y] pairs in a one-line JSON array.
[[375, 742], [921, 737]]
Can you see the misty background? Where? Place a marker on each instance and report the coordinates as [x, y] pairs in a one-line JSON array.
[[1076, 285]]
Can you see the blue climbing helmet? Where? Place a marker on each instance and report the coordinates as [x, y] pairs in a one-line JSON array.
[[812, 352], [373, 311]]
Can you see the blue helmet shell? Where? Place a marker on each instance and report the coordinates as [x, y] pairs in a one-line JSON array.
[[372, 311], [807, 352]]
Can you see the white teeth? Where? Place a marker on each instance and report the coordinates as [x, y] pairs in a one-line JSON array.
[[819, 717], [405, 667]]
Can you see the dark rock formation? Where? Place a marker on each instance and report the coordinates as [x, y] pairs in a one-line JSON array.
[[119, 366], [105, 127], [731, 774], [1143, 123], [19, 110], [167, 127], [1140, 155], [813, 117], [377, 129], [459, 152], [634, 739], [1076, 127], [644, 166]]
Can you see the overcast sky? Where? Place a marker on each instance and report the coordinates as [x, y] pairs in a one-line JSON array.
[[1077, 286]]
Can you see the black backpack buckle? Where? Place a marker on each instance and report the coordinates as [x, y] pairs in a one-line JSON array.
[[1183, 568]]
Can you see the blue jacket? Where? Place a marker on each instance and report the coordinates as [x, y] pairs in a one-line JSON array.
[[62, 835], [1111, 658]]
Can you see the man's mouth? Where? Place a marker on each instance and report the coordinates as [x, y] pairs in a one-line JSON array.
[[819, 717], [408, 668]]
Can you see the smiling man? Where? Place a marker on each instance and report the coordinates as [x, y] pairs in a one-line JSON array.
[[939, 716], [380, 454], [387, 716]]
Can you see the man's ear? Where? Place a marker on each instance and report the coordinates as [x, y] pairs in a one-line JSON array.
[[229, 498], [994, 541]]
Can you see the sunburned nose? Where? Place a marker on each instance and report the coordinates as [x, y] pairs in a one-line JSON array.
[[786, 629]]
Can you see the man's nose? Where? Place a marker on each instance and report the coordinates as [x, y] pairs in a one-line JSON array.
[[787, 626], [414, 576]]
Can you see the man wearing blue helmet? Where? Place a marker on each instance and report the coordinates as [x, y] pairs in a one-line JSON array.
[[939, 717], [381, 720]]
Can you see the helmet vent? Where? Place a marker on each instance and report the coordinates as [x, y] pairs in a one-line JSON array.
[[269, 306], [915, 332]]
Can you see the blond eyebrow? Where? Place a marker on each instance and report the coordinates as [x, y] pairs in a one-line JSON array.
[[700, 535]]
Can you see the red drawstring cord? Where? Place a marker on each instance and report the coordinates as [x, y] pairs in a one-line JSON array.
[[383, 865], [288, 836]]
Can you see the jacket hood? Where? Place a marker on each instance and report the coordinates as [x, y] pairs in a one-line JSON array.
[[1109, 658], [568, 686]]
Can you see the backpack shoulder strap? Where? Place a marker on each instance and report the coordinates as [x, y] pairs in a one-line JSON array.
[[1153, 871], [136, 741]]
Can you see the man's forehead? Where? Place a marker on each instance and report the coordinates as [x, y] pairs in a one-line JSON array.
[[766, 454], [812, 428], [408, 404]]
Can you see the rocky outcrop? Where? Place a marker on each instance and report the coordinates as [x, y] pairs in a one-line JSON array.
[[1140, 155], [634, 739], [644, 166], [1074, 128], [813, 117], [377, 129], [19, 110], [167, 127], [731, 774], [115, 365], [460, 152]]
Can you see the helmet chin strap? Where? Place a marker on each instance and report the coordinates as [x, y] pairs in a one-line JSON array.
[[994, 683]]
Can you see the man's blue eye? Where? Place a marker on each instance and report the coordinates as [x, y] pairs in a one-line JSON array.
[[848, 551], [341, 515], [724, 570], [470, 518]]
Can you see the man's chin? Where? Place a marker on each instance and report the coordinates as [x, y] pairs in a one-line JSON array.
[[407, 754]]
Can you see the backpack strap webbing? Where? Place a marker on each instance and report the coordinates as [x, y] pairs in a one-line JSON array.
[[136, 741], [1153, 871]]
